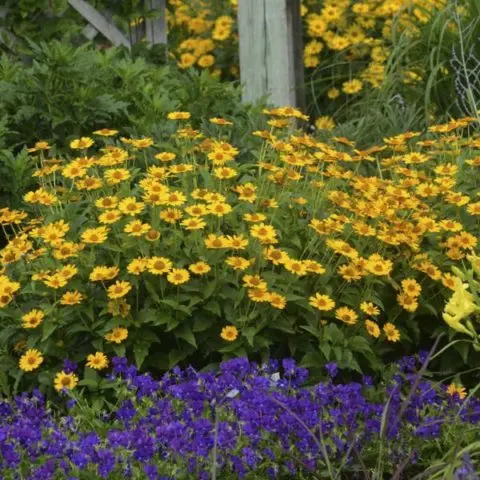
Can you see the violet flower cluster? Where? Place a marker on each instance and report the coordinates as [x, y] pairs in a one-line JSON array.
[[245, 420]]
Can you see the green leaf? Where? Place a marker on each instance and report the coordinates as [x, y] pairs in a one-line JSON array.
[[87, 382], [176, 306], [185, 333], [359, 344], [312, 360], [140, 352], [49, 327]]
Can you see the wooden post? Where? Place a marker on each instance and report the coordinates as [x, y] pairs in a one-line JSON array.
[[271, 58], [156, 29], [105, 27]]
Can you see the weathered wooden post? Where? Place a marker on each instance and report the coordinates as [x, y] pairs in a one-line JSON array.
[[271, 51], [156, 29]]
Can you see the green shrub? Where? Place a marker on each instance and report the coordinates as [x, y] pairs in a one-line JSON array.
[[68, 92]]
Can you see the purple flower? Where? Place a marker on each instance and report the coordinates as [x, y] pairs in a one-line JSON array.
[[332, 369]]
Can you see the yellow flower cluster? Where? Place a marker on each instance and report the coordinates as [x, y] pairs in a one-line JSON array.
[[299, 234], [359, 32]]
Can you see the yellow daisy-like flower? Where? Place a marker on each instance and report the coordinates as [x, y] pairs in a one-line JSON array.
[[177, 276], [105, 132], [346, 315], [369, 308], [238, 263], [81, 143], [159, 265], [31, 360], [391, 332], [72, 298], [95, 235], [97, 361], [65, 381], [372, 328], [117, 335], [179, 115], [321, 302], [454, 389], [119, 289], [33, 318], [229, 333], [200, 268]]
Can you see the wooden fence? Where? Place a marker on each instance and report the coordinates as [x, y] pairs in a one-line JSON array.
[[271, 51]]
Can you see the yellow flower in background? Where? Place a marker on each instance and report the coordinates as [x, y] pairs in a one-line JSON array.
[[65, 381], [229, 333], [33, 318], [200, 268], [117, 335], [106, 132], [391, 332], [325, 123], [81, 143], [30, 360], [454, 389], [346, 315], [119, 289], [321, 302], [372, 328], [177, 276], [178, 115], [352, 87], [97, 361]]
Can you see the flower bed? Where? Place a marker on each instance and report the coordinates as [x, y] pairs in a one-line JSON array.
[[190, 242], [249, 420]]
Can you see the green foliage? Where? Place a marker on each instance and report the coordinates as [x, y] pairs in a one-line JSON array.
[[69, 92]]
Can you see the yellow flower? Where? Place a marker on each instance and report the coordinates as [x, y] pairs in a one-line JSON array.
[[321, 302], [178, 115], [119, 289], [411, 287], [238, 263], [391, 332], [460, 306], [206, 61], [137, 266], [369, 308], [81, 143], [264, 233], [95, 235], [325, 123], [97, 361], [229, 333], [105, 132], [117, 335], [177, 276], [454, 389], [136, 228], [30, 360], [71, 298], [165, 156], [346, 315], [65, 381], [352, 86], [200, 268], [278, 301], [159, 265], [101, 273], [372, 328], [33, 318]]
